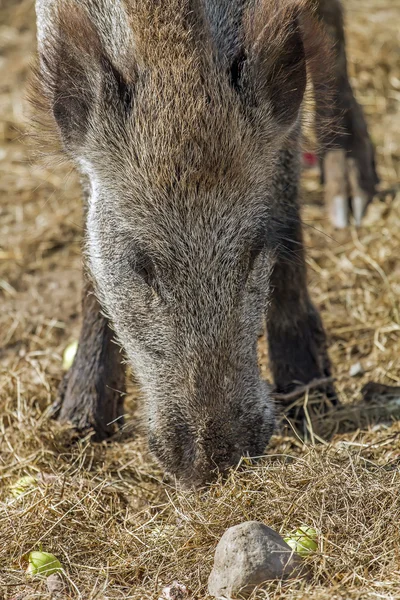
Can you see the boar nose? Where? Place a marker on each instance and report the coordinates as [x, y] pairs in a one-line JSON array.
[[213, 464], [226, 461]]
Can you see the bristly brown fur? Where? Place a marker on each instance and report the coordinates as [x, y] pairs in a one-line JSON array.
[[53, 79], [269, 22], [183, 42], [43, 132]]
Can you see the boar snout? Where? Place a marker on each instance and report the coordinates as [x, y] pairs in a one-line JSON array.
[[197, 448]]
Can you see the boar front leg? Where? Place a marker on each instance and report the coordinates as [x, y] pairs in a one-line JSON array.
[[348, 161], [297, 340], [296, 337], [91, 394]]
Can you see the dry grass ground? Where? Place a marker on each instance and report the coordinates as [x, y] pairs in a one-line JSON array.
[[104, 510]]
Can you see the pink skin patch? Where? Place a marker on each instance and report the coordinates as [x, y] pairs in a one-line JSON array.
[[310, 160]]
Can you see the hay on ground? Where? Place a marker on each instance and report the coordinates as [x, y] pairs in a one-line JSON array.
[[121, 530]]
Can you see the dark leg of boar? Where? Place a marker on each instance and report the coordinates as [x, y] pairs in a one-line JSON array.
[[91, 393], [348, 163], [296, 336]]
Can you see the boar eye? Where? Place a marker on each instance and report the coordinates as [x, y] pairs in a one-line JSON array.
[[236, 69], [144, 273], [255, 252], [144, 268]]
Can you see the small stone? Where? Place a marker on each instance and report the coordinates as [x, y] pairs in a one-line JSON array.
[[356, 370], [248, 555], [175, 591], [55, 586]]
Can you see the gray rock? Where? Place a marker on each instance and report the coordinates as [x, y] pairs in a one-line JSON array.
[[246, 556], [56, 587], [356, 370]]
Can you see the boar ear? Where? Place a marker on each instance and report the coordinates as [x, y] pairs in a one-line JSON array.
[[272, 68], [76, 70]]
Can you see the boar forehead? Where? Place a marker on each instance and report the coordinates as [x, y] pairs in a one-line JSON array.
[[209, 227], [175, 139]]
